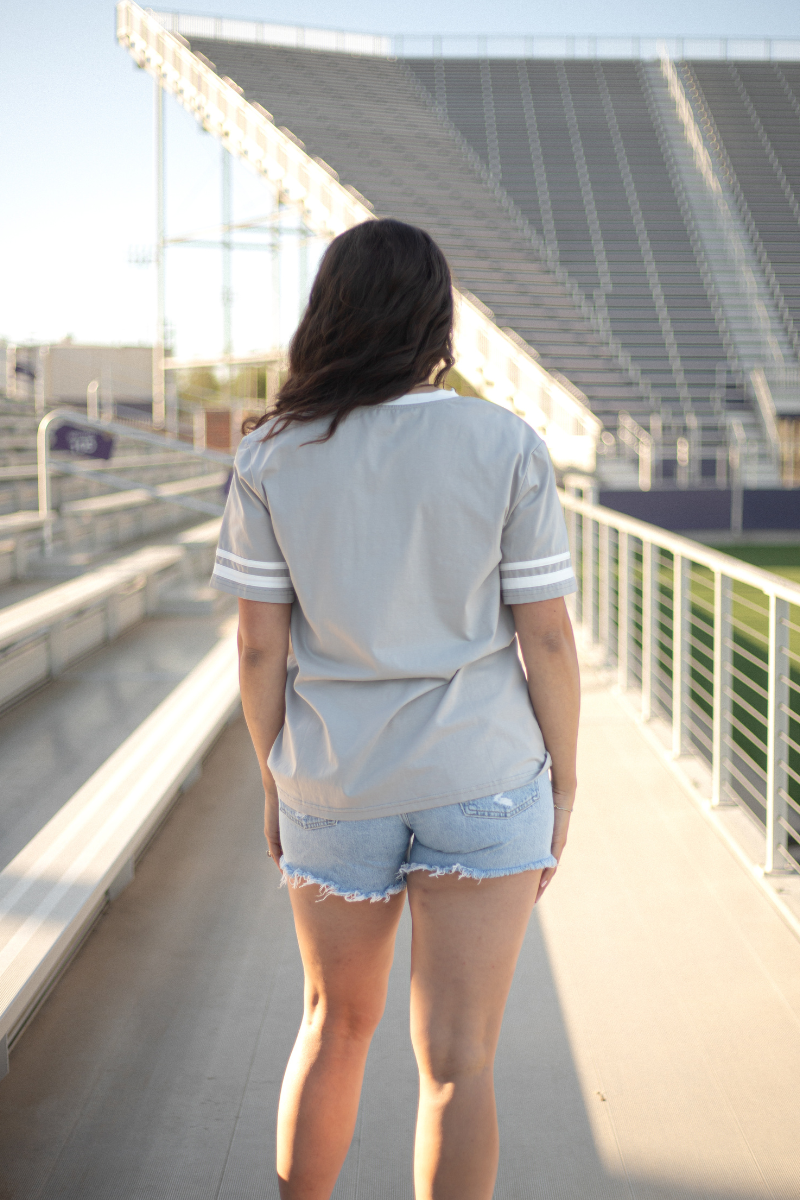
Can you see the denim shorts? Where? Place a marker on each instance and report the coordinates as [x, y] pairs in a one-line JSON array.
[[369, 859]]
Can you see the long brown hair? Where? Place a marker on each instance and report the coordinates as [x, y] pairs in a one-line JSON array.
[[379, 320]]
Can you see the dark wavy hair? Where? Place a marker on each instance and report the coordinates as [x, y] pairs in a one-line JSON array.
[[379, 321]]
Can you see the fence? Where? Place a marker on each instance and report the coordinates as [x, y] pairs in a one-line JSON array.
[[712, 646], [478, 45], [587, 45]]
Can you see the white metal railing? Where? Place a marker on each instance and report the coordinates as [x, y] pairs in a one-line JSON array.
[[477, 45], [267, 33], [587, 45], [61, 416], [496, 362], [712, 646]]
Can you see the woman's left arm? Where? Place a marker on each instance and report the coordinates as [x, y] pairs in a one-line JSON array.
[[263, 651]]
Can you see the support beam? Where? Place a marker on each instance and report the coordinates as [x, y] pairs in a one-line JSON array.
[[227, 263], [159, 390]]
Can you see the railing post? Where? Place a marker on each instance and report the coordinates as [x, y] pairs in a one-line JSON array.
[[722, 662], [777, 731], [625, 610], [572, 536], [588, 589], [680, 655], [649, 590], [604, 589], [580, 549]]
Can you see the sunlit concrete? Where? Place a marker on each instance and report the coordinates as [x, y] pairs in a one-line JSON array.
[[651, 1047]]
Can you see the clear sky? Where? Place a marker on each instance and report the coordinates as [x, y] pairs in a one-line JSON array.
[[76, 129]]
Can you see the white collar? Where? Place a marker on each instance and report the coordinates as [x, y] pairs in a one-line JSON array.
[[422, 397]]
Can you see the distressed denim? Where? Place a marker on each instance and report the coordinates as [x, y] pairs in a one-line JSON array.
[[369, 859]]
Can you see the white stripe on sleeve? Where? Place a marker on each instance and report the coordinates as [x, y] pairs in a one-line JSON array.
[[534, 581], [251, 562], [535, 562], [259, 581]]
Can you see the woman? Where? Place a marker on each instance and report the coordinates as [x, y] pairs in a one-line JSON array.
[[410, 540]]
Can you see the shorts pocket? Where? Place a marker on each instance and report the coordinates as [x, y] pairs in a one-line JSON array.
[[304, 820], [504, 804]]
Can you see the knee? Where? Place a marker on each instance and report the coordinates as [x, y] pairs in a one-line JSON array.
[[349, 1020], [449, 1057]]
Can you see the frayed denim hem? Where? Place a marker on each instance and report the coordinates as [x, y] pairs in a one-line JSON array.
[[294, 877], [476, 872]]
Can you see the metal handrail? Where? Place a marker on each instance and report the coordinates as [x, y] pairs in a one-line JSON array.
[[479, 45], [61, 416], [728, 686]]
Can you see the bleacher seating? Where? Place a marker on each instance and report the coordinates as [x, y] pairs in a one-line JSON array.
[[39, 636], [46, 904], [575, 146], [19, 481], [552, 187], [754, 111], [369, 119]]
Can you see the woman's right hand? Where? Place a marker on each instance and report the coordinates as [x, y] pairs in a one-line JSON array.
[[272, 829]]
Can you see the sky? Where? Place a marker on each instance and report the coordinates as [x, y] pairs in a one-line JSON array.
[[76, 201]]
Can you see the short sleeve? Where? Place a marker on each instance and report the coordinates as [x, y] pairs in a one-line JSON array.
[[536, 562], [249, 563]]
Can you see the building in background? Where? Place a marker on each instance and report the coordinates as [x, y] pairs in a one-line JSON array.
[[63, 372]]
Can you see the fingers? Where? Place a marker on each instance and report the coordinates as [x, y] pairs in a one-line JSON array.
[[546, 876], [560, 830], [272, 830]]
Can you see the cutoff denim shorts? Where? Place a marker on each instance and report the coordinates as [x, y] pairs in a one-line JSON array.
[[369, 859]]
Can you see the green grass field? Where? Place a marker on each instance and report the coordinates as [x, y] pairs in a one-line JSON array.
[[782, 560]]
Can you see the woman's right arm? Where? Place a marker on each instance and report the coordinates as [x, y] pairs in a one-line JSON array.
[[551, 663]]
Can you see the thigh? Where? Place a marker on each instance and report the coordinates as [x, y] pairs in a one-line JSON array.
[[347, 949], [467, 935]]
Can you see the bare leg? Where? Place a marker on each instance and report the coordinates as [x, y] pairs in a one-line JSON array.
[[466, 941], [347, 951]]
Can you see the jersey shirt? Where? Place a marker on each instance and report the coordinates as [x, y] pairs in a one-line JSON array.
[[400, 543]]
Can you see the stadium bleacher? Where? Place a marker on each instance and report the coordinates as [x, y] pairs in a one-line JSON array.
[[553, 188], [754, 110], [585, 150], [369, 119]]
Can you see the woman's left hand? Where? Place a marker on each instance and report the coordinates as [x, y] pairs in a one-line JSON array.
[[563, 802], [272, 829]]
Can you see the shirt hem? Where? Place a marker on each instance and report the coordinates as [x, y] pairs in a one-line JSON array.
[[276, 596], [528, 595], [365, 812]]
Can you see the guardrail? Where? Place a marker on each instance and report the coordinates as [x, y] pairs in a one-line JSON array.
[[711, 645], [63, 416], [477, 45], [52, 892]]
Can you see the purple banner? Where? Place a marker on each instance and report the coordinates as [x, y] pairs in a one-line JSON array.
[[87, 443]]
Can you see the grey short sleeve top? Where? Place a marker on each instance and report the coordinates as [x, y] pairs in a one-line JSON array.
[[400, 542]]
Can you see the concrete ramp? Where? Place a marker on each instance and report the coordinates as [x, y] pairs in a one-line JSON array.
[[651, 1049]]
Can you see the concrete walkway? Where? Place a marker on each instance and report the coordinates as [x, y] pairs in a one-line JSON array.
[[651, 1048]]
